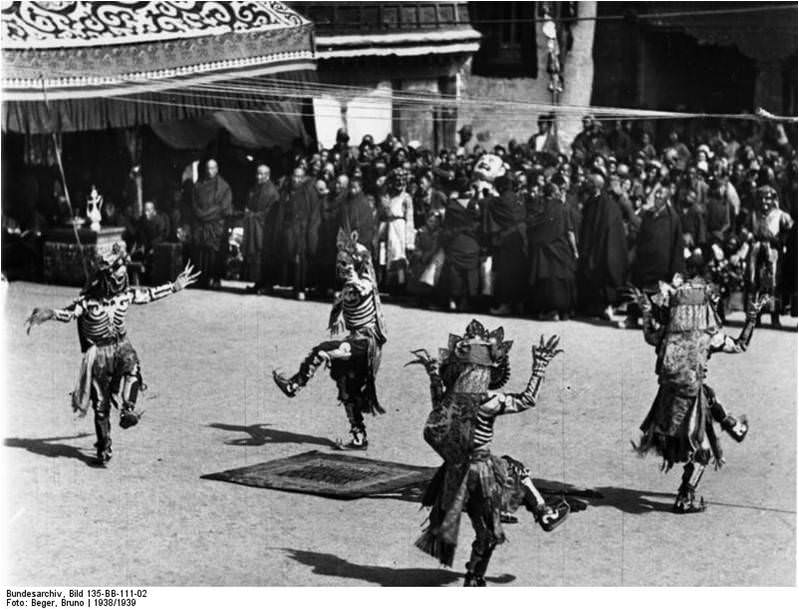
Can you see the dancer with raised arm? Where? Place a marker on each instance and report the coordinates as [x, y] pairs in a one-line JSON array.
[[109, 372], [681, 322], [355, 359], [461, 428]]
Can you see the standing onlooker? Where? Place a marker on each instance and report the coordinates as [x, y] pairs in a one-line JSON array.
[[767, 230], [461, 272], [694, 223], [330, 209], [646, 150], [504, 225], [397, 228], [629, 217], [427, 201], [717, 212], [357, 215], [582, 148], [300, 218], [677, 151], [256, 246], [659, 249], [211, 206], [603, 252], [545, 141], [553, 255]]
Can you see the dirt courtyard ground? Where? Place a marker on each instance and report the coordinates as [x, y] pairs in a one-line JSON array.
[[149, 519]]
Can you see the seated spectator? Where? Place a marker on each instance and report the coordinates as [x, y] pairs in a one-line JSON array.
[[153, 229]]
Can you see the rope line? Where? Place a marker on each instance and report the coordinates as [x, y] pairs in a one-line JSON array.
[[254, 90]]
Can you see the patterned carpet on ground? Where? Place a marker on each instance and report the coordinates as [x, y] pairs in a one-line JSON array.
[[337, 475]]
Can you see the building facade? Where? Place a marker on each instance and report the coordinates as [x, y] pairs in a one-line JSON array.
[[381, 67]]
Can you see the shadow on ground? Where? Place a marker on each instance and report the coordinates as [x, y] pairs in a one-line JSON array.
[[632, 501], [327, 564], [50, 447], [262, 434]]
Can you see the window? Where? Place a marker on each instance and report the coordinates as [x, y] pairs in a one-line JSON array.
[[508, 47]]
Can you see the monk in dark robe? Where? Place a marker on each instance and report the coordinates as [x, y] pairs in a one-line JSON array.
[[603, 253], [330, 207], [659, 250], [357, 215], [504, 222], [257, 246], [459, 238], [553, 255], [211, 205], [300, 218]]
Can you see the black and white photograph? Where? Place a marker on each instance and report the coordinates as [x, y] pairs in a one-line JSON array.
[[302, 295]]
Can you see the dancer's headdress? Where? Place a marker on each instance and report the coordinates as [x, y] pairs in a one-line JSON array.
[[481, 347], [691, 305], [350, 250]]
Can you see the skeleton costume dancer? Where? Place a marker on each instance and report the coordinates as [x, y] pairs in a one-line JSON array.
[[681, 322], [460, 428], [353, 360], [109, 370]]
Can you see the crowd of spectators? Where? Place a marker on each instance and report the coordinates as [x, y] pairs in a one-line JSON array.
[[532, 230], [523, 229]]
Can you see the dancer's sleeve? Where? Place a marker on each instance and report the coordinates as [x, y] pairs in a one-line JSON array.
[[437, 389], [500, 403], [71, 312], [142, 296], [653, 332], [335, 324], [721, 342]]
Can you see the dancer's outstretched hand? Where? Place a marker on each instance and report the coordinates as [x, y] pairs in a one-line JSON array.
[[632, 294], [544, 352], [423, 358], [186, 278], [38, 316]]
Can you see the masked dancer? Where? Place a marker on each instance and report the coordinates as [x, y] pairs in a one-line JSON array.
[[681, 322], [460, 428], [109, 372], [354, 359]]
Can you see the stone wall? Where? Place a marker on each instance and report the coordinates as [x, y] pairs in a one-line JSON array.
[[488, 128], [491, 128]]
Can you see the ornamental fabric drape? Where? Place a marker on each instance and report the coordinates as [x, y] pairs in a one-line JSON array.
[[86, 114]]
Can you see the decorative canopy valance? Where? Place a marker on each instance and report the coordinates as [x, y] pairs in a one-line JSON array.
[[74, 66]]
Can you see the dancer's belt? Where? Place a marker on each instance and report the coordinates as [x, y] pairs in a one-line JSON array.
[[480, 455], [105, 341]]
